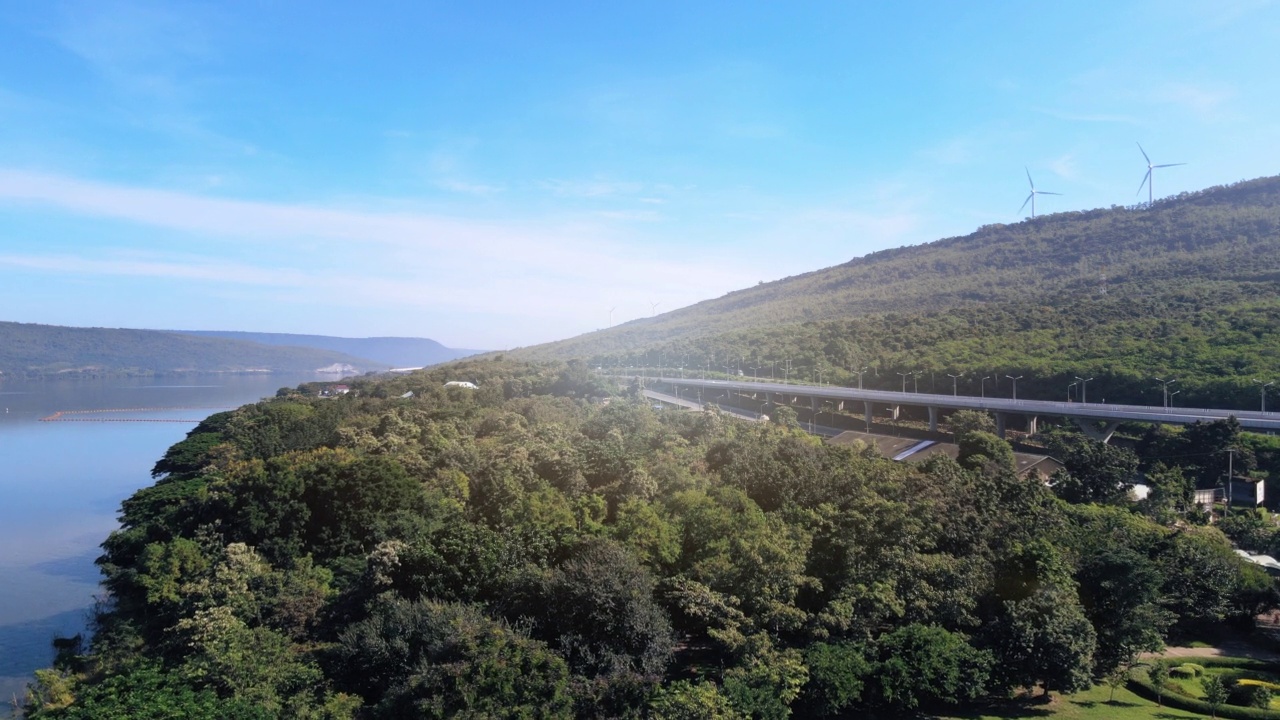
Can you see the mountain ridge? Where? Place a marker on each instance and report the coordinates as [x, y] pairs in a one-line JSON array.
[[391, 350], [32, 350]]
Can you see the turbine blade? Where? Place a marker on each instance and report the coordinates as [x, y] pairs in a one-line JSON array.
[[1144, 153], [1024, 203], [1169, 165], [1144, 182], [1029, 182], [1046, 192]]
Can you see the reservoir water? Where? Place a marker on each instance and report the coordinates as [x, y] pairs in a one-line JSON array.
[[61, 484]]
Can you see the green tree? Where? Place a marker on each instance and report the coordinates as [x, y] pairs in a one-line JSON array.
[[1120, 592], [981, 449], [1201, 573], [838, 672], [598, 610], [1159, 675], [430, 659], [1215, 692], [1097, 471], [142, 691], [1172, 493], [1044, 639], [963, 422], [922, 665], [784, 415], [686, 700], [766, 680], [1115, 678]]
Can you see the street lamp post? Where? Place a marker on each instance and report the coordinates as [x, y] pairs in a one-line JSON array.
[[859, 372], [1084, 388], [984, 385], [954, 378], [1262, 392], [904, 381], [915, 381], [1175, 392], [1164, 384], [1071, 387], [1015, 385]]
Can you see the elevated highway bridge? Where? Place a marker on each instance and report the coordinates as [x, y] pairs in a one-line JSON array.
[[1087, 415]]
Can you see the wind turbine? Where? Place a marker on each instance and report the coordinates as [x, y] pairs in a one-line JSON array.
[[1150, 178], [1032, 197]]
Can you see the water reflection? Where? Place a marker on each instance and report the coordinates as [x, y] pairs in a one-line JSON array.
[[62, 484]]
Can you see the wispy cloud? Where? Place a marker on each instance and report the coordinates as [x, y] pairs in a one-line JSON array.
[[468, 188], [1065, 166], [597, 188], [199, 269], [1085, 117], [1203, 100], [960, 150], [555, 274], [141, 47]]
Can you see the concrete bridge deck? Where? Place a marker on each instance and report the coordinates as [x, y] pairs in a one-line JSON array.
[[1081, 412]]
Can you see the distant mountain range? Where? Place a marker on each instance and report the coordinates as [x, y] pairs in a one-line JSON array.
[[32, 351], [393, 351]]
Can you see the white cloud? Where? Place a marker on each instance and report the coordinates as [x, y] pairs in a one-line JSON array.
[[1086, 117], [534, 281], [1065, 166], [590, 188], [468, 188], [1202, 100], [193, 269]]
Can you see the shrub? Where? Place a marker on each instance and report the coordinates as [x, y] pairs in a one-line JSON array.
[[1254, 696], [1260, 683], [1182, 671], [1198, 670], [1141, 685]]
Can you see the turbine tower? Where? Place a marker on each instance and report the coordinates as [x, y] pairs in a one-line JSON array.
[[1150, 178], [1032, 197]]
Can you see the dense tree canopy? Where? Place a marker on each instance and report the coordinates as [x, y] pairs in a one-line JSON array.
[[548, 547]]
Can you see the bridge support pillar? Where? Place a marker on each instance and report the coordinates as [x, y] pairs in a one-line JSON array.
[[840, 405], [866, 405], [1091, 431], [893, 411], [1000, 424], [1033, 425], [933, 419]]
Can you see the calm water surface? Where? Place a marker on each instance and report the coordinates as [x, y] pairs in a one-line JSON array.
[[61, 484]]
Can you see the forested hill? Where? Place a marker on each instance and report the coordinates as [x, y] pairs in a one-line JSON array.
[[394, 351], [30, 350], [1224, 236]]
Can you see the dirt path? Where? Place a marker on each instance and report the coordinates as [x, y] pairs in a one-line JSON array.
[[1229, 648]]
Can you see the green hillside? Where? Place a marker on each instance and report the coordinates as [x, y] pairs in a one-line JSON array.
[[29, 350], [1190, 288]]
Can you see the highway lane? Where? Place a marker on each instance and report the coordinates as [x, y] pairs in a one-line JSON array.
[[1249, 419]]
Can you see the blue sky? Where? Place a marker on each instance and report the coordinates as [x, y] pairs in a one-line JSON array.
[[494, 174]]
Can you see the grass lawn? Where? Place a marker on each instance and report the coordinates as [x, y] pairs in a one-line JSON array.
[[1091, 705]]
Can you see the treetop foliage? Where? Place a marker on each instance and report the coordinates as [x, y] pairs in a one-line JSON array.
[[548, 547]]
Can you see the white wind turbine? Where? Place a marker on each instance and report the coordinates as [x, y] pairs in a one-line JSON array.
[[1032, 197], [1150, 178]]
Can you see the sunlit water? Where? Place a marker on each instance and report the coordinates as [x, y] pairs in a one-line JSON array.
[[61, 484]]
